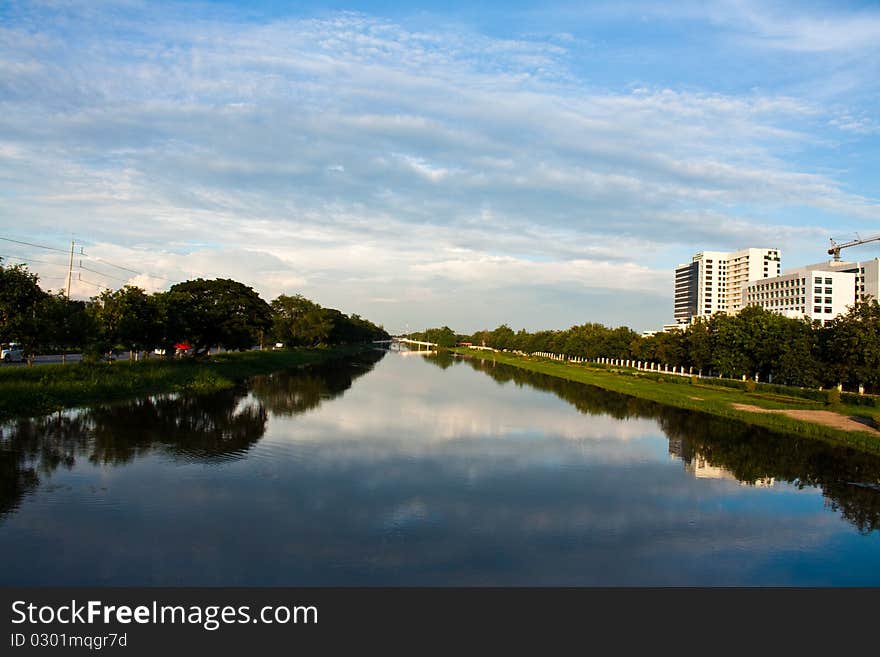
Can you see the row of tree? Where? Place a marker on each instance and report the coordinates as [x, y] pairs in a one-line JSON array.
[[754, 342], [202, 313]]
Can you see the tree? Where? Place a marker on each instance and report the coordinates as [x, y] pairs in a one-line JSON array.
[[853, 345], [728, 350], [443, 337], [669, 347], [699, 345], [798, 362], [20, 299], [64, 324], [298, 322], [618, 342], [126, 317], [218, 312]]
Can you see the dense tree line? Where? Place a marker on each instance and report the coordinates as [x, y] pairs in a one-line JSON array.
[[442, 337], [754, 342], [202, 313]]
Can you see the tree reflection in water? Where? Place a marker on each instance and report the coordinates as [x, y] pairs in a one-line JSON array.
[[849, 479], [292, 393], [207, 428]]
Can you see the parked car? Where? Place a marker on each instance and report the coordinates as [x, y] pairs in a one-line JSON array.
[[12, 353], [183, 349]]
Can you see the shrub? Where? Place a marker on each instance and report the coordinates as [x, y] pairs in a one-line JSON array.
[[859, 400], [751, 386], [832, 396]]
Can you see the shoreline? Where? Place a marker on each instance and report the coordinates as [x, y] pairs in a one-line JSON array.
[[35, 391], [759, 409]]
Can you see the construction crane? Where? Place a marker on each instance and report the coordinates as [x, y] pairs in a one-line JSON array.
[[835, 247]]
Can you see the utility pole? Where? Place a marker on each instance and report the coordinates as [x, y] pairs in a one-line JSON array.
[[70, 269]]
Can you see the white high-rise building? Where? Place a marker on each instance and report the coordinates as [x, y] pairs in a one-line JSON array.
[[745, 266], [714, 281]]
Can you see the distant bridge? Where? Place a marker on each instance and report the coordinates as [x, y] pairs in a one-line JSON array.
[[429, 347]]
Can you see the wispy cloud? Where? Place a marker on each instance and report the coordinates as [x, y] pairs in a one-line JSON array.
[[350, 157], [832, 30]]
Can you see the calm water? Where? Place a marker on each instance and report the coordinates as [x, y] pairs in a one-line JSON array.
[[405, 470]]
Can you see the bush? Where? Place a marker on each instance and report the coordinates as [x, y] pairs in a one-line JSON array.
[[832, 396], [860, 400], [728, 383]]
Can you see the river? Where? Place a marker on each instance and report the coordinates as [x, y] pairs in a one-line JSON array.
[[392, 469]]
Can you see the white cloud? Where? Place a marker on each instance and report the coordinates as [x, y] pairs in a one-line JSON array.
[[352, 158], [790, 30], [500, 271]]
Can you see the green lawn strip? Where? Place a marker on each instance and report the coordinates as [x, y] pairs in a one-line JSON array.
[[27, 391], [706, 398]]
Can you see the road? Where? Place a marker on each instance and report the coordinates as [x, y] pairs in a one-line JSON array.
[[75, 358], [47, 359]]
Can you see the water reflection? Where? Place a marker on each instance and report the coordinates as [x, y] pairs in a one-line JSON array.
[[426, 472], [206, 428], [714, 447], [295, 392]]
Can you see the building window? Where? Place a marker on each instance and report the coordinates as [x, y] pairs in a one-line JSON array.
[[828, 281], [817, 309], [827, 309], [828, 290]]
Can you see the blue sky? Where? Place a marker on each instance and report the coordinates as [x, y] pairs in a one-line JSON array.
[[461, 163]]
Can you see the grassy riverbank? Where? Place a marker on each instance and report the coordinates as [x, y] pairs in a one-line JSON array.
[[43, 389], [837, 423]]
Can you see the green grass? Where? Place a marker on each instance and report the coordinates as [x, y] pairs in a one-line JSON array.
[[701, 395], [42, 389]]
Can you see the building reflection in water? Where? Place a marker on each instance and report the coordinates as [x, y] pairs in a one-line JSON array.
[[700, 467]]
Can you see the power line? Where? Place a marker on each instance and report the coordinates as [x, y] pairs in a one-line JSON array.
[[98, 285], [84, 254], [39, 246], [133, 271], [30, 260], [100, 273], [107, 262], [91, 257]]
